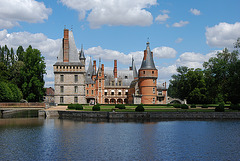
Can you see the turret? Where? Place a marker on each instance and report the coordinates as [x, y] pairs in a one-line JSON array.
[[81, 56], [148, 75]]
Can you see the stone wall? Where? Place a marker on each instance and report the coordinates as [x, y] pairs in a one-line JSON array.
[[148, 115]]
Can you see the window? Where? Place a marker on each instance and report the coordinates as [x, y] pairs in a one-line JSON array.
[[100, 74], [126, 93], [120, 83], [92, 91], [154, 100], [154, 81], [112, 83], [87, 85], [61, 78], [76, 89], [119, 93], [105, 93], [112, 93], [76, 99], [61, 89], [87, 91], [152, 72], [76, 78], [92, 85], [61, 100], [143, 72], [153, 90], [126, 77]]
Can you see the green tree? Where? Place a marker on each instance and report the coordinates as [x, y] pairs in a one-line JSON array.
[[218, 75], [20, 53], [33, 86]]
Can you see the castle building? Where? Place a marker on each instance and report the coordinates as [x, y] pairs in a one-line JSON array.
[[69, 72], [96, 85]]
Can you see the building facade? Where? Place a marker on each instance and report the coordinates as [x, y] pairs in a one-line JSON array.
[[74, 84]]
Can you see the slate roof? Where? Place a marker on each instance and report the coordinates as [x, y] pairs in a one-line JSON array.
[[126, 77], [148, 63]]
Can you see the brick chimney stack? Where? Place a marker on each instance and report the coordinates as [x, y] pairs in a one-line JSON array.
[[145, 54], [66, 46], [94, 65], [115, 68]]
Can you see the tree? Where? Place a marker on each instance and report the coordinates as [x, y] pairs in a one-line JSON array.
[[218, 73], [33, 86]]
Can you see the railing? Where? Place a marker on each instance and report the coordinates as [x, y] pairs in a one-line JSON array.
[[22, 105]]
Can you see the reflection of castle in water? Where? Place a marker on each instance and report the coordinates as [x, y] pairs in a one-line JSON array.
[[75, 84]]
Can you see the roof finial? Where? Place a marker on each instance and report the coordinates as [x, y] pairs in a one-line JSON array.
[[148, 42], [71, 27], [81, 46]]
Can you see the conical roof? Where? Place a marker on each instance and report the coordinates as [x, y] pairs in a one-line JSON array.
[[148, 63], [81, 53], [134, 69]]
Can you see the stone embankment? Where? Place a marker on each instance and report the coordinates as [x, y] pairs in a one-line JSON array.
[[139, 115]]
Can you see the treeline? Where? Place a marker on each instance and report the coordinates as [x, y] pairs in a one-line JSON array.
[[21, 74], [218, 82]]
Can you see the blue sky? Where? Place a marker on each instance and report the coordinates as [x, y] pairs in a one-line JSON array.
[[186, 32]]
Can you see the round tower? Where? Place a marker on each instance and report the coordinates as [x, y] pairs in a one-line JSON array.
[[148, 75]]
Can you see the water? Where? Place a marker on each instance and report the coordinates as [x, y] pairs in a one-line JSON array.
[[56, 139]]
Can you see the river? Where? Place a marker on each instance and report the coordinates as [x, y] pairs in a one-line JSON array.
[[63, 139]]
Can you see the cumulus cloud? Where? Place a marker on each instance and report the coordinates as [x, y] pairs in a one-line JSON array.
[[195, 11], [179, 40], [113, 12], [194, 60], [48, 47], [180, 24], [164, 52], [222, 35], [14, 11], [162, 18]]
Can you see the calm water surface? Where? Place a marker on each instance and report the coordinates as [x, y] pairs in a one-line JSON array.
[[56, 139]]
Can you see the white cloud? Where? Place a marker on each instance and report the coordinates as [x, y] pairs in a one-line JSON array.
[[14, 11], [194, 60], [195, 11], [179, 40], [164, 52], [180, 24], [165, 11], [223, 34], [113, 12], [162, 18]]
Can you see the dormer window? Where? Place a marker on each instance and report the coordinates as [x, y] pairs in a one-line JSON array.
[[120, 83], [143, 72], [126, 77]]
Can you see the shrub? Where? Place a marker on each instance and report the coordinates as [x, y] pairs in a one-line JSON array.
[[184, 106], [96, 107], [120, 106], [204, 106], [71, 107], [139, 108], [234, 107], [177, 105], [78, 106], [220, 108], [193, 106]]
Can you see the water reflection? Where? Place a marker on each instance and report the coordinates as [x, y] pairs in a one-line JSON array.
[[61, 139]]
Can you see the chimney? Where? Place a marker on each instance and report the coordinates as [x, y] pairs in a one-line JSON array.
[[102, 68], [145, 55], [94, 65], [165, 85], [115, 69], [66, 46]]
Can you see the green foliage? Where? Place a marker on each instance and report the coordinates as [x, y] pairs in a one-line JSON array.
[[24, 69], [220, 108], [184, 106], [78, 106], [16, 92], [204, 106], [193, 106], [96, 107], [139, 108], [120, 106], [9, 92], [234, 107], [71, 107], [177, 105]]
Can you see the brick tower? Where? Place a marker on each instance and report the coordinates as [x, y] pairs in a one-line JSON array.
[[148, 75]]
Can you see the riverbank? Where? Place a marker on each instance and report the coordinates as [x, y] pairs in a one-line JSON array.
[[61, 112]]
